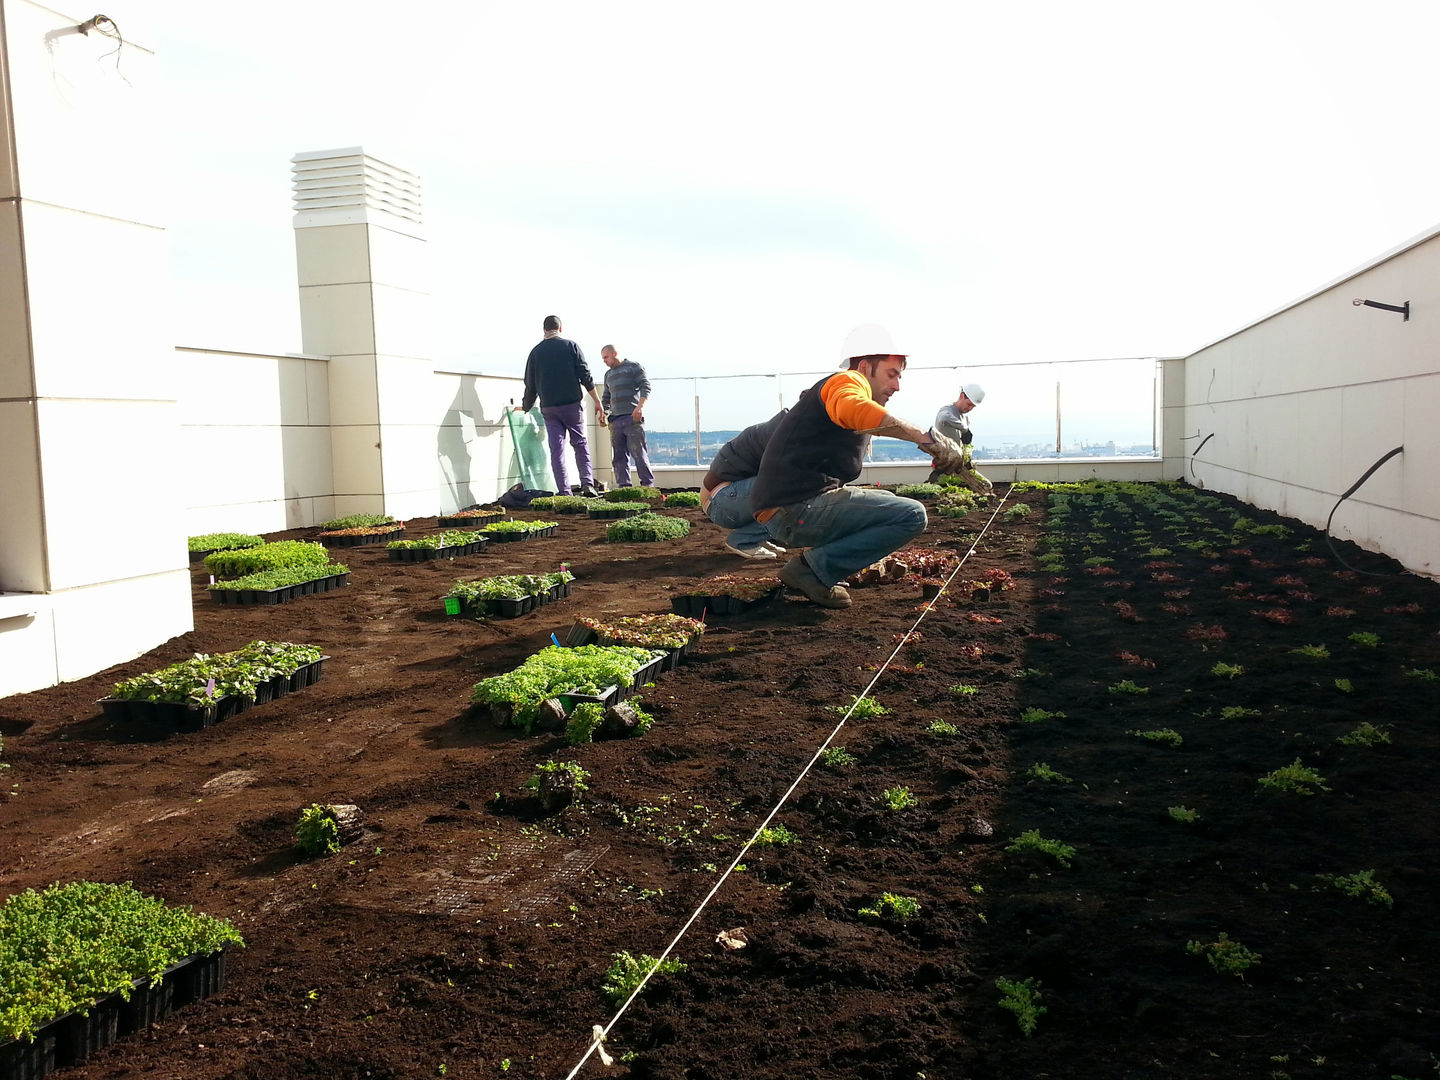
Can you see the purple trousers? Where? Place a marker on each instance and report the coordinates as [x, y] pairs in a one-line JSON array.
[[560, 419], [627, 440]]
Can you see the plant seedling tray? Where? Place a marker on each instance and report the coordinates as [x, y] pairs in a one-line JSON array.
[[509, 537], [453, 551], [354, 540], [606, 512], [280, 595], [694, 605], [605, 698], [182, 717], [447, 521], [72, 1039]]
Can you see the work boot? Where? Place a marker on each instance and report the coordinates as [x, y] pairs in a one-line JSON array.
[[797, 574]]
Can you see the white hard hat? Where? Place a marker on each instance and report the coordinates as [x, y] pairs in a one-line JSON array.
[[869, 339], [974, 391]]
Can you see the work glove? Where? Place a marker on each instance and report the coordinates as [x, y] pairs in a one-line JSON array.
[[966, 436], [949, 457]]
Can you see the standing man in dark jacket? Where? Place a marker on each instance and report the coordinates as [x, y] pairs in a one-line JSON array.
[[555, 372], [800, 494], [725, 491], [626, 391]]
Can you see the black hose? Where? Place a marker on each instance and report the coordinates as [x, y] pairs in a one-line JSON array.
[[1197, 450], [1351, 491]]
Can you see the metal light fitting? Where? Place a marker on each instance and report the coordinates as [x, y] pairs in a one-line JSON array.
[[1403, 309]]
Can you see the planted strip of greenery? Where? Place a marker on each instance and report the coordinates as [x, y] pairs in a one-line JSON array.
[[449, 538], [63, 949], [224, 541], [276, 556], [279, 579], [556, 670], [203, 680], [683, 498], [357, 521], [647, 527]]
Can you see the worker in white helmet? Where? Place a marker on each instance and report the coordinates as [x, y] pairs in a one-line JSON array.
[[953, 421], [800, 493]]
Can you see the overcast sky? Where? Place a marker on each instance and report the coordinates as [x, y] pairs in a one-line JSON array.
[[732, 188]]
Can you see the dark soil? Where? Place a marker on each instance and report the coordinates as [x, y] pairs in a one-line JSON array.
[[467, 934]]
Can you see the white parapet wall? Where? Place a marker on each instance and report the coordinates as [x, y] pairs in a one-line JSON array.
[[1292, 410], [257, 450]]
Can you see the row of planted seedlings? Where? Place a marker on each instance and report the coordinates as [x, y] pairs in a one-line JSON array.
[[203, 690], [1226, 757], [272, 573], [85, 963], [880, 837]]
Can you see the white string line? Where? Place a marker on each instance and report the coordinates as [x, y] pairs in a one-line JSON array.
[[600, 1035]]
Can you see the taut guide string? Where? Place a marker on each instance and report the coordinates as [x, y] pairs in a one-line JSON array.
[[599, 1033]]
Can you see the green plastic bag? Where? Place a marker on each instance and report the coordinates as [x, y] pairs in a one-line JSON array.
[[532, 454]]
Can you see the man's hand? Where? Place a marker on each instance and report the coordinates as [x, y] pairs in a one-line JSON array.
[[966, 436], [638, 416], [599, 416], [948, 456]]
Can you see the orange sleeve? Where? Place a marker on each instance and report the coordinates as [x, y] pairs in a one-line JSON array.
[[847, 401]]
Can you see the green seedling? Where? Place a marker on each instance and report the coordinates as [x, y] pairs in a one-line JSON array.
[[776, 834], [864, 708], [1367, 734], [1031, 840], [1043, 772], [1225, 956], [899, 798], [1183, 814], [943, 727], [1168, 736], [1239, 712], [963, 690], [1030, 673], [1035, 715], [1227, 671], [316, 831], [1360, 885], [1128, 686], [837, 757], [1295, 778], [1314, 652], [586, 717], [1366, 640], [1345, 686], [1023, 999], [1019, 510], [891, 906], [1424, 674], [626, 972], [1098, 560]]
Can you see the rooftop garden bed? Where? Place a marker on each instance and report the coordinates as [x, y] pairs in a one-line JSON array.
[[1166, 810]]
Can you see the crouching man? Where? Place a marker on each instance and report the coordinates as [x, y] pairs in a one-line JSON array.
[[800, 495]]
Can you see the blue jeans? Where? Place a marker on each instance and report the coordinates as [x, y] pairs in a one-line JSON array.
[[847, 529], [730, 509], [561, 420], [627, 439]]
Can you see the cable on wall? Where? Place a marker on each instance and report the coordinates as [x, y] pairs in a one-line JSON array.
[[1351, 491]]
